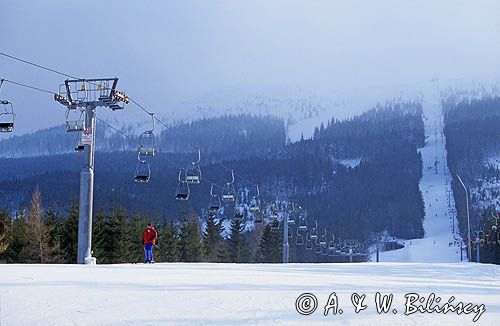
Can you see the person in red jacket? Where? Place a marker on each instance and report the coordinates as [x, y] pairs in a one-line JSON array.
[[149, 240]]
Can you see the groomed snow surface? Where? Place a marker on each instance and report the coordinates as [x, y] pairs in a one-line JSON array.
[[439, 222], [237, 294]]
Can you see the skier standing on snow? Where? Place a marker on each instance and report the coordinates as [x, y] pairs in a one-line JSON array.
[[149, 240]]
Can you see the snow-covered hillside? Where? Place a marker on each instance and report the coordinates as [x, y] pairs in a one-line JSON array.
[[442, 240], [238, 294]]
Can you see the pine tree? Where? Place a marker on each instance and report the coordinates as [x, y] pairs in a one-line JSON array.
[[98, 236], [168, 243], [110, 241], [270, 247], [237, 246], [38, 232], [5, 233], [52, 226], [69, 235], [190, 241], [137, 227], [18, 250], [213, 242], [122, 245]]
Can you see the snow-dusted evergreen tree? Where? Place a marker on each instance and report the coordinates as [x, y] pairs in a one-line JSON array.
[[213, 242], [52, 225], [270, 247], [5, 232], [69, 235], [238, 250], [168, 242], [190, 240]]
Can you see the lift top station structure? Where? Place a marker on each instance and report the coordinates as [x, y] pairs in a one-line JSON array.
[[81, 97]]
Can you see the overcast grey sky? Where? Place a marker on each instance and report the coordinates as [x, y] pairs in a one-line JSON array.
[[166, 52]]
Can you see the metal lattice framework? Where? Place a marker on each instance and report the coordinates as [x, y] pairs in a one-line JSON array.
[[81, 93]]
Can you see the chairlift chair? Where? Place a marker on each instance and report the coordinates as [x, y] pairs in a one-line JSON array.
[[302, 223], [193, 172], [290, 219], [275, 225], [317, 248], [309, 244], [75, 120], [324, 250], [299, 241], [182, 190], [228, 191], [331, 243], [214, 205], [147, 142], [7, 116], [314, 231], [142, 171], [322, 239], [255, 203], [258, 217]]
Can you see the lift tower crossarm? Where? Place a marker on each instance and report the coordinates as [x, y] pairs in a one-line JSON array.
[[87, 95]]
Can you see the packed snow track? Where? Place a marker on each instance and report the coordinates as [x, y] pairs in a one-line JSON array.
[[237, 294]]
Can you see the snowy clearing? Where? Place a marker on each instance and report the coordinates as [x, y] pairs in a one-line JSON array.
[[233, 294]]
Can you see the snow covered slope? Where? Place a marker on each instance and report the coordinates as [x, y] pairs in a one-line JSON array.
[[237, 294], [440, 243]]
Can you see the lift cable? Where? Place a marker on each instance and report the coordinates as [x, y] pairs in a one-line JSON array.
[[37, 65], [27, 86], [131, 99], [130, 138], [115, 129]]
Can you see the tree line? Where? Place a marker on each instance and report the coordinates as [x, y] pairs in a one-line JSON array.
[[472, 133], [43, 236]]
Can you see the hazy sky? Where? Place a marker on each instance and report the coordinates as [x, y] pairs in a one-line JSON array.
[[166, 52]]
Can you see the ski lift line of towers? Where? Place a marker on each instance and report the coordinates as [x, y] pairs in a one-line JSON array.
[[104, 94], [81, 97], [192, 175]]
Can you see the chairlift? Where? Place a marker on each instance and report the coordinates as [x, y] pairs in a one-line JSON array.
[[142, 171], [147, 142], [255, 203], [274, 212], [7, 116], [75, 120], [275, 225], [302, 223], [317, 247], [331, 244], [309, 244], [228, 191], [182, 190], [324, 250], [299, 241], [214, 205], [258, 217], [314, 231], [322, 239], [290, 220], [193, 172]]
